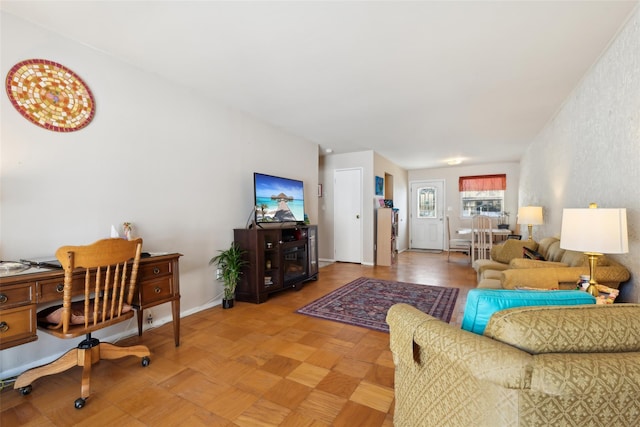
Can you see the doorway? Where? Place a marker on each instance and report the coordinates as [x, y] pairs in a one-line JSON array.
[[347, 215], [427, 215]]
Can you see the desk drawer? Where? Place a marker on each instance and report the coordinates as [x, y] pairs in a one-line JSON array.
[[155, 290], [17, 295], [52, 289], [156, 269], [17, 326]]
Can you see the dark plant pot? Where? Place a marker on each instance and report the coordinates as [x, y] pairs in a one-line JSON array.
[[503, 226], [227, 303]]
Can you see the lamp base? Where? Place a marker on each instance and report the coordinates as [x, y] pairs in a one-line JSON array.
[[592, 289]]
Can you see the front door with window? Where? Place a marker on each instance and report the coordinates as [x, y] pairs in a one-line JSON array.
[[427, 215]]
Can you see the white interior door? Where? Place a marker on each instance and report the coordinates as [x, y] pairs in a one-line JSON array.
[[427, 215], [347, 215]]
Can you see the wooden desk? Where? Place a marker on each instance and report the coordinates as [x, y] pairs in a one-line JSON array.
[[20, 293]]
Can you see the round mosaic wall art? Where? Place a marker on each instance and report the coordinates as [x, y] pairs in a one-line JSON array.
[[50, 95]]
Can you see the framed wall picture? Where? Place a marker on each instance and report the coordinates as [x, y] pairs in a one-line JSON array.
[[379, 186]]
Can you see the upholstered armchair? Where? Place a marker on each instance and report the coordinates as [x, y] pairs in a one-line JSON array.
[[534, 366]]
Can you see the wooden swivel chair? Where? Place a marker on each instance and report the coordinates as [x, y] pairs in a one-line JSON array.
[[457, 245], [107, 293]]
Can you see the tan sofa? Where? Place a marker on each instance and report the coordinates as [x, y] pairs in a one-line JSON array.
[[561, 269], [534, 366]]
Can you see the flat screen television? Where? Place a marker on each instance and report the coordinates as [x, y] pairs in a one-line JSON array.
[[278, 199]]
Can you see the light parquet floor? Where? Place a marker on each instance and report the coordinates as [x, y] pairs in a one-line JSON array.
[[253, 365]]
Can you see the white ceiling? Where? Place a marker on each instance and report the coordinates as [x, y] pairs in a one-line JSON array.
[[419, 82]]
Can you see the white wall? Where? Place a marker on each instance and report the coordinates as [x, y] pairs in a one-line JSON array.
[[451, 174], [372, 164], [328, 164], [590, 151], [178, 166], [383, 166]]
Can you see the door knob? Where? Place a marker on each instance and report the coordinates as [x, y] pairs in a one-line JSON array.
[[357, 216]]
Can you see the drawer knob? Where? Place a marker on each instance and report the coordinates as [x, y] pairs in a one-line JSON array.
[[156, 270], [4, 327], [3, 298], [157, 289], [60, 288]]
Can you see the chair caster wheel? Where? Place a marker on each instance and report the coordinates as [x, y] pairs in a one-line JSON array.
[[79, 403], [25, 390], [145, 361]]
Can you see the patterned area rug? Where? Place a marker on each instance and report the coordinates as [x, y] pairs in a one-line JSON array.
[[364, 302]]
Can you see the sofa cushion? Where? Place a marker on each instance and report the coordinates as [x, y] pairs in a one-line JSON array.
[[574, 259], [545, 243], [51, 317], [554, 252], [483, 303], [511, 249], [577, 329]]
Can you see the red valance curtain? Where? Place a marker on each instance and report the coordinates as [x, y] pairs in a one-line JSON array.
[[483, 182]]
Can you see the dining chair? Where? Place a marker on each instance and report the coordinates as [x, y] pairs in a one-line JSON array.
[[457, 245], [481, 237], [107, 284]]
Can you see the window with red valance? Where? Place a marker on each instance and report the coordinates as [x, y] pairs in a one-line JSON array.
[[483, 182], [482, 194]]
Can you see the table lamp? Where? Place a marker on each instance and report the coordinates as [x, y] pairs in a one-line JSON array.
[[595, 232], [530, 215]]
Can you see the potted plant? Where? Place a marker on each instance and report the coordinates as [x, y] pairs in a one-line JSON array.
[[230, 263], [503, 221]]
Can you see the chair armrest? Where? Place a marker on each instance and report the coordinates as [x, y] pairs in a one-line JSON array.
[[561, 277], [403, 321], [482, 357], [482, 265], [608, 275], [569, 375]]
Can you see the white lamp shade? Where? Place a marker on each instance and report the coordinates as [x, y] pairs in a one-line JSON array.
[[530, 215], [595, 230]]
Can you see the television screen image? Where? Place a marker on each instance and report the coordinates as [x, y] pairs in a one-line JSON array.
[[278, 199]]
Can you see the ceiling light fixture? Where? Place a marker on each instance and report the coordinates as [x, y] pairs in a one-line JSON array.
[[454, 162]]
